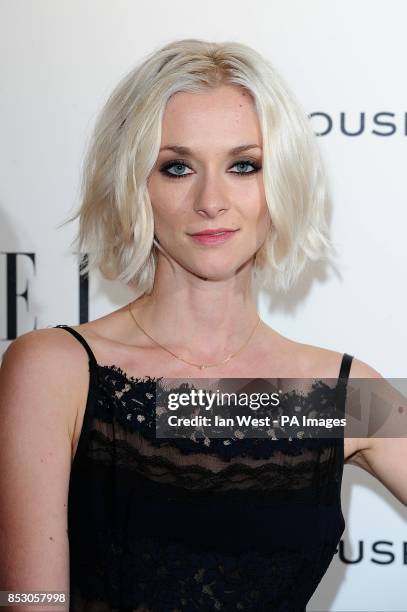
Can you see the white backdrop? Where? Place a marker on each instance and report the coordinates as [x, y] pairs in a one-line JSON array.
[[59, 61]]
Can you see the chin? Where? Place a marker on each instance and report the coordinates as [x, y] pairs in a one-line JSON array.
[[221, 275], [219, 269]]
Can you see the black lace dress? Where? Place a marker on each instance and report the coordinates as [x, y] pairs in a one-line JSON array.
[[165, 526]]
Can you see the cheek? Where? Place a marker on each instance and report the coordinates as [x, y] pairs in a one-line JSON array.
[[161, 203], [155, 192], [263, 216], [257, 197], [264, 223], [266, 218]]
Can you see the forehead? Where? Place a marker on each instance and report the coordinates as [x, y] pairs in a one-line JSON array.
[[225, 112]]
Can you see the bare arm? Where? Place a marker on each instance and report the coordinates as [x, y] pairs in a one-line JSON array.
[[385, 458], [35, 461]]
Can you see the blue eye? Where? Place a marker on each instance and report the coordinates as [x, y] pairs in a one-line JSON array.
[[246, 163], [179, 166]]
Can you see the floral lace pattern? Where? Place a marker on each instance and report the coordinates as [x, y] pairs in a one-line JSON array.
[[182, 525], [212, 581]]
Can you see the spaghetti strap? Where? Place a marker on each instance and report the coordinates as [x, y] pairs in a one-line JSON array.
[[345, 367], [86, 429], [82, 340], [342, 382]]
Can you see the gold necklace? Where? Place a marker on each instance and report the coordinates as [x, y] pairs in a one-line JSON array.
[[200, 366]]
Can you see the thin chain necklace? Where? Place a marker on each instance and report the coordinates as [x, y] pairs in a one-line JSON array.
[[197, 365]]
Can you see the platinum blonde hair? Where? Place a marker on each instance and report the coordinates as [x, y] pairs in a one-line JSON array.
[[116, 224]]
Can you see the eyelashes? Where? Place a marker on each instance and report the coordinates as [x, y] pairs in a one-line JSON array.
[[165, 169]]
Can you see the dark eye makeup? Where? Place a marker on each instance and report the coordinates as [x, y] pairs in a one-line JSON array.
[[181, 163]]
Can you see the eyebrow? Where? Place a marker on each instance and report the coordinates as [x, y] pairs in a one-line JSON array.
[[186, 151]]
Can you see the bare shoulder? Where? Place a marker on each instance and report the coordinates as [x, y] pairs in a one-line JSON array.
[[47, 343], [305, 360], [315, 361], [355, 447], [52, 359], [312, 360], [49, 350]]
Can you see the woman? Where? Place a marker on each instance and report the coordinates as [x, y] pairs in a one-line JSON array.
[[202, 178]]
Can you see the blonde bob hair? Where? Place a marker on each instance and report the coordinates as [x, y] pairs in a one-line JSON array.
[[116, 224]]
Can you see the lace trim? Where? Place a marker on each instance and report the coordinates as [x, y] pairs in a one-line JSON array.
[[121, 435], [312, 471], [132, 403]]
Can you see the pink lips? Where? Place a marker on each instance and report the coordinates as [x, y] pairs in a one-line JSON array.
[[209, 237]]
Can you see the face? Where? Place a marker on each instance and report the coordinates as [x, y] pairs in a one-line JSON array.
[[199, 183]]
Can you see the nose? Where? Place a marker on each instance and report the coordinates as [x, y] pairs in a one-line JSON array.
[[211, 198]]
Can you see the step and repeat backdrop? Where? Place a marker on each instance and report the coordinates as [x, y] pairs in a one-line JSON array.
[[346, 62]]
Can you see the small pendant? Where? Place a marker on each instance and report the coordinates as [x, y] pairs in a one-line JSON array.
[[202, 367]]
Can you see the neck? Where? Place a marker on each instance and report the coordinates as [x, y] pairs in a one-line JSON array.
[[204, 320]]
